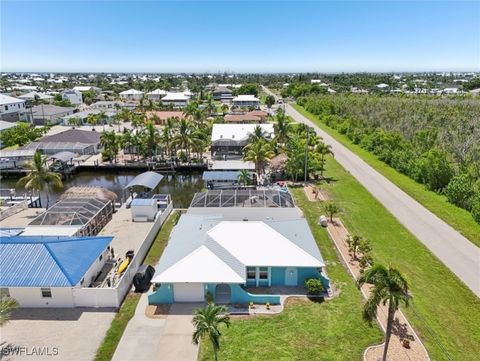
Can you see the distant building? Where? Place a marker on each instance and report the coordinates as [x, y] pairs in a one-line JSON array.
[[131, 94], [32, 96], [10, 108], [49, 113], [73, 96], [107, 105], [162, 116], [247, 101], [156, 94], [176, 99], [84, 88], [222, 94]]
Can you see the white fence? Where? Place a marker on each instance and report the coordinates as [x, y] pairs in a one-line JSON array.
[[10, 211], [113, 297]]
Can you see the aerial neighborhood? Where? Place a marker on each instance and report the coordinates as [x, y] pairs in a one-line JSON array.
[[176, 189]]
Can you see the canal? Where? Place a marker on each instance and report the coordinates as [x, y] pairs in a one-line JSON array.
[[180, 186]]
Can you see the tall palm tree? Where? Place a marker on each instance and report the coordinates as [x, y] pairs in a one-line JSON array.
[[282, 127], [323, 149], [7, 305], [207, 321], [257, 134], [389, 286], [92, 119], [151, 137], [110, 141], [183, 137], [210, 107], [39, 177], [126, 141], [258, 152]]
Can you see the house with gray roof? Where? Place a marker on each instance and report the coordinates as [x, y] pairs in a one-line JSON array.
[[49, 114]]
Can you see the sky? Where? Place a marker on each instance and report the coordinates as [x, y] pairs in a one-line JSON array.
[[239, 36]]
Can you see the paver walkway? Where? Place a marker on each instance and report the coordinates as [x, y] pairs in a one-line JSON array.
[[402, 328]]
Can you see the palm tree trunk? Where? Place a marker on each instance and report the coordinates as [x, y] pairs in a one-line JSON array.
[[388, 333], [215, 355]]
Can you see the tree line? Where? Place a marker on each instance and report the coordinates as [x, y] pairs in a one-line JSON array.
[[435, 141]]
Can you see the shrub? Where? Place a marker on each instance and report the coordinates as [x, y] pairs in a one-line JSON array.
[[460, 191], [314, 286], [476, 209]]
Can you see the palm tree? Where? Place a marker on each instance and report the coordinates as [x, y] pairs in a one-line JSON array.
[[183, 137], [110, 141], [151, 137], [244, 177], [92, 119], [323, 149], [389, 286], [257, 134], [39, 177], [210, 107], [127, 141], [258, 152], [282, 127], [207, 321], [7, 305]]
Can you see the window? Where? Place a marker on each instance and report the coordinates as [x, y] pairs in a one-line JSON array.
[[46, 292], [4, 292], [263, 273], [6, 107], [251, 273], [100, 258]]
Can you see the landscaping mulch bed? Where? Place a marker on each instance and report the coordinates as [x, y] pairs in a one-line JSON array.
[[157, 311]]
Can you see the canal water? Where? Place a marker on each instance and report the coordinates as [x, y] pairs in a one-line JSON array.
[[181, 187]]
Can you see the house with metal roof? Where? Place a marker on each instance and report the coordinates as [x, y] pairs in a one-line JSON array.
[[41, 271], [207, 254], [246, 101]]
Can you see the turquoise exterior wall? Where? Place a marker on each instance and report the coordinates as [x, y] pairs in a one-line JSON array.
[[305, 274], [239, 295], [163, 294], [278, 276]]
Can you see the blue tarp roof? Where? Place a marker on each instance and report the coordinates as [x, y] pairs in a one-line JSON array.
[[221, 175], [148, 180], [48, 261]]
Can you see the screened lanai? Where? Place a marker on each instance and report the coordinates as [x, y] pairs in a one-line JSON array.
[[243, 198]]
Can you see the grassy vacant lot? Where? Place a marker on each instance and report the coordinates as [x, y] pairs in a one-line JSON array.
[[444, 308], [458, 218], [332, 330], [127, 310]]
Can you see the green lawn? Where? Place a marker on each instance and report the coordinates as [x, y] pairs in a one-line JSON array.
[[333, 330], [445, 305], [458, 218], [127, 310]]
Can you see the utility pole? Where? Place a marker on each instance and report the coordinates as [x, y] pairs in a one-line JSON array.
[[306, 154]]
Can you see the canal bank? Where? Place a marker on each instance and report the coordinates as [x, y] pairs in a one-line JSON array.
[[180, 185]]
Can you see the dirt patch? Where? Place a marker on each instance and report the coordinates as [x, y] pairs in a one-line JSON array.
[[315, 194], [157, 311]]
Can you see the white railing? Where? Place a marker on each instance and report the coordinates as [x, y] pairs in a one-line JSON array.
[[10, 211]]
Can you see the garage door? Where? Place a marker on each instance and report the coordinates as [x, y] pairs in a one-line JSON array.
[[188, 292]]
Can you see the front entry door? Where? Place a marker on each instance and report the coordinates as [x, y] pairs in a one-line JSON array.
[[291, 277]]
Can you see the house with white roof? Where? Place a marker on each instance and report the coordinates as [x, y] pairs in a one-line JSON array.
[[131, 94], [246, 101], [229, 139], [10, 108], [35, 95], [224, 258], [178, 99], [156, 94], [84, 88]]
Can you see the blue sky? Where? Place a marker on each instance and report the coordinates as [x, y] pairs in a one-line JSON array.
[[268, 36]]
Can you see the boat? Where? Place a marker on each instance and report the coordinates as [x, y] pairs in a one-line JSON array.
[[123, 266]]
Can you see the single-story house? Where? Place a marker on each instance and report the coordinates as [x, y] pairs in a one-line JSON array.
[[71, 140], [49, 113], [83, 116], [131, 94], [162, 115], [40, 96], [176, 99], [208, 255], [241, 118], [246, 101], [230, 139], [46, 271]]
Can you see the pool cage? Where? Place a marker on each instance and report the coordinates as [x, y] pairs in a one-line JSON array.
[[243, 198]]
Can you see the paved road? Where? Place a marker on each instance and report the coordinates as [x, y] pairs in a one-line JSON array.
[[460, 255]]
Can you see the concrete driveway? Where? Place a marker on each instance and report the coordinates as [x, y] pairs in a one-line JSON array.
[[168, 339], [460, 255]]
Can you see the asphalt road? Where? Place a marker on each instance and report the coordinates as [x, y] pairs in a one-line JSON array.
[[460, 255]]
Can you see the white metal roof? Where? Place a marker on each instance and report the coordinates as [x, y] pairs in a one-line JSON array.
[[131, 92], [32, 95], [238, 131], [6, 125], [246, 98], [157, 92], [175, 97], [255, 243], [6, 99], [200, 266], [50, 230]]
